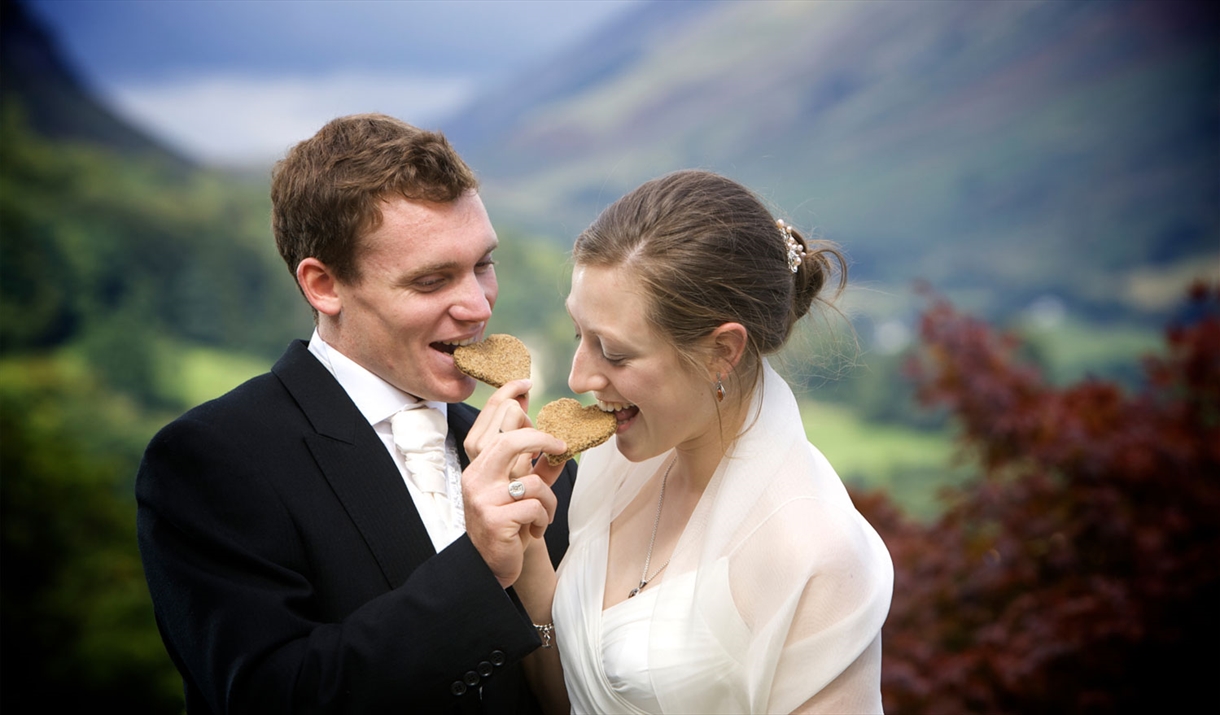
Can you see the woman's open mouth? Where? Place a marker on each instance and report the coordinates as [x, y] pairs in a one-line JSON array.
[[624, 412]]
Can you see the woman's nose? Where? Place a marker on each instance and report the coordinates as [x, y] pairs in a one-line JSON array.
[[583, 377]]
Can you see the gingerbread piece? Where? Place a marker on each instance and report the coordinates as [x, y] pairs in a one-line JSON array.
[[497, 360]]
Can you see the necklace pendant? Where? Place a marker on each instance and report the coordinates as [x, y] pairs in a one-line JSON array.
[[644, 579]]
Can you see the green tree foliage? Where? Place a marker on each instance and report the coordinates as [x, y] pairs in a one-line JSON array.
[[107, 261], [1081, 573], [77, 622], [534, 277]]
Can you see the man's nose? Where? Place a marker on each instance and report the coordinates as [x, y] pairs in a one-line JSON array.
[[473, 302]]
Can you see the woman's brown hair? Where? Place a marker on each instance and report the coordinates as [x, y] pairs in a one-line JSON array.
[[708, 252]]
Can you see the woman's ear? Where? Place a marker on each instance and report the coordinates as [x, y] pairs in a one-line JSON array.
[[320, 286], [728, 344]]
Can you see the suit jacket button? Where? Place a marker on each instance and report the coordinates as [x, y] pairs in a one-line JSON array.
[[458, 688], [498, 658], [472, 678], [485, 669]]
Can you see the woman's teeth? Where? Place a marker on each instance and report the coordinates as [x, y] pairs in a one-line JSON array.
[[613, 406]]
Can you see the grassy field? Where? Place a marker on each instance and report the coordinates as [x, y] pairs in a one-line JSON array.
[[1072, 350], [910, 465]]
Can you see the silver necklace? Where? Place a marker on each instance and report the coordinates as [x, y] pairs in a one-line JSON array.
[[644, 577]]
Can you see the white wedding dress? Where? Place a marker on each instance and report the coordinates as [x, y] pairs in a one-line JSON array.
[[775, 595]]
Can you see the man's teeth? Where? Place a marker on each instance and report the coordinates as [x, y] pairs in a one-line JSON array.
[[458, 343], [612, 406]]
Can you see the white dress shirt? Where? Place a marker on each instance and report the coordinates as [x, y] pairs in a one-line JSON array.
[[378, 401]]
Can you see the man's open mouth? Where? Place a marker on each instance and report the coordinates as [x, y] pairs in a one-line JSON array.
[[448, 346]]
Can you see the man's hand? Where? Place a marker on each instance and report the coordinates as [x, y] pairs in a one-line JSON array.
[[505, 412], [502, 447]]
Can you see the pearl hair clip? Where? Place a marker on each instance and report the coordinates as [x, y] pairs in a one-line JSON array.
[[796, 252]]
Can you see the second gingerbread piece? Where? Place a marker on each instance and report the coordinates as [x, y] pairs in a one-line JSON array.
[[579, 427]]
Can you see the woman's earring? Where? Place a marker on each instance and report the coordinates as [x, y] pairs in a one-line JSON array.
[[719, 389]]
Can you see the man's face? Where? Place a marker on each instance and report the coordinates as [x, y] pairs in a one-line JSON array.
[[427, 283]]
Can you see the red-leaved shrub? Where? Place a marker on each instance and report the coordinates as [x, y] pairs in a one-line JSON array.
[[1081, 572]]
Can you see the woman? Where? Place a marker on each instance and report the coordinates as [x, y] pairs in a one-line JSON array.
[[716, 562]]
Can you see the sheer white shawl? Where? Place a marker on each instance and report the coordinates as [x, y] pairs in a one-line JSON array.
[[790, 580]]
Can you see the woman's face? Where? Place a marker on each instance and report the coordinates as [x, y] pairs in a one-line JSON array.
[[660, 402]]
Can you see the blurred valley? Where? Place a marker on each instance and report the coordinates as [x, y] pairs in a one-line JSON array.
[[1002, 151]]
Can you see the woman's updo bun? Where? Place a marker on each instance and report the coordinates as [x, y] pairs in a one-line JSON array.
[[821, 264]]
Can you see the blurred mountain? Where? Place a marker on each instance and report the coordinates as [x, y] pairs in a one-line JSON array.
[[116, 246], [1002, 151], [52, 98]]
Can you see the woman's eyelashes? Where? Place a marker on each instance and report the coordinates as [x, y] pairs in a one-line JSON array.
[[612, 359]]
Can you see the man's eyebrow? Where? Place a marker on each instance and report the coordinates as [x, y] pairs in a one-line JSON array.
[[441, 267]]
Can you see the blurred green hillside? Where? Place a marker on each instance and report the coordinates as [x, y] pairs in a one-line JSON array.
[[120, 279], [125, 258]]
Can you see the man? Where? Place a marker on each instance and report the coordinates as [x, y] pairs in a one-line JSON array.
[[298, 562]]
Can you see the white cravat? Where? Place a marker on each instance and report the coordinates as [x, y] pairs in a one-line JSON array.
[[419, 433]]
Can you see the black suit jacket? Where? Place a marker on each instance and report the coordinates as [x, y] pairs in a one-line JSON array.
[[290, 571]]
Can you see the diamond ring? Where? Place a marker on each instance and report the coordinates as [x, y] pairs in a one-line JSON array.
[[516, 489]]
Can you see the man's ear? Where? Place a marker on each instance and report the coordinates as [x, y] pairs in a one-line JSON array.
[[320, 286], [728, 344]]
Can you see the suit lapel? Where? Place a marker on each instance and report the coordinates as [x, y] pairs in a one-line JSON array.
[[355, 463], [461, 419]]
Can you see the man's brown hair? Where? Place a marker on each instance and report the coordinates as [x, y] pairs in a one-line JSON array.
[[325, 192]]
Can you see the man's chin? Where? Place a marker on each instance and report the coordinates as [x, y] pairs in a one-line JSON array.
[[455, 390], [468, 386]]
